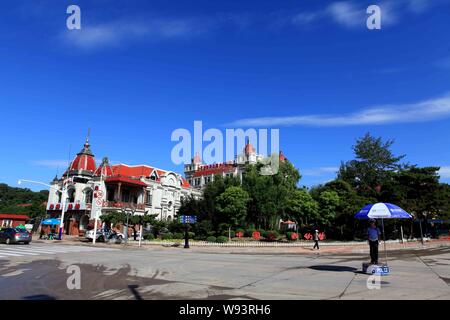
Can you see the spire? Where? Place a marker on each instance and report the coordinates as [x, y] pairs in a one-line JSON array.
[[87, 147]]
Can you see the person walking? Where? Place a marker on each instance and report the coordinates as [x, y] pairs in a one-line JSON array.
[[373, 235], [316, 239]]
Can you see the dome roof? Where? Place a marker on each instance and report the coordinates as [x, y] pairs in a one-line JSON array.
[[197, 159], [104, 169], [84, 162], [249, 149]]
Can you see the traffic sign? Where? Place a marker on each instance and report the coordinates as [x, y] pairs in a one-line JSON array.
[[187, 219]]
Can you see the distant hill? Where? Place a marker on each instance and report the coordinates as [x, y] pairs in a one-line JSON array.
[[22, 201]]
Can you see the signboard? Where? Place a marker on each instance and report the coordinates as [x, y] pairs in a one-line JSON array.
[[98, 197], [187, 219]]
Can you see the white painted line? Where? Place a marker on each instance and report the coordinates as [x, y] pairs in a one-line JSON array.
[[10, 254], [32, 250], [20, 252]]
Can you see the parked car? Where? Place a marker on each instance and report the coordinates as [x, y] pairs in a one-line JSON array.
[[104, 236], [15, 235]]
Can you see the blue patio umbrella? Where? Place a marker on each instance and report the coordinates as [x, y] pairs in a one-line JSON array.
[[382, 211], [51, 222]]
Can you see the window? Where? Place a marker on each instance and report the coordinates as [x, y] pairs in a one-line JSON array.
[[71, 195], [89, 196], [148, 201], [126, 196], [7, 223], [154, 175]]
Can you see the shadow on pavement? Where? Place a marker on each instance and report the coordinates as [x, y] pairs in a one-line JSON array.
[[39, 297], [333, 268]]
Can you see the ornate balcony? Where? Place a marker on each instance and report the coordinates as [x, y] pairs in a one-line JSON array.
[[119, 205]]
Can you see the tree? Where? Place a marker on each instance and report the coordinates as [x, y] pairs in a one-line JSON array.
[[374, 161], [232, 204], [328, 204], [302, 207], [269, 194]]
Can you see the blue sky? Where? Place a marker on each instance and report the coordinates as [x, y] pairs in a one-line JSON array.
[[137, 70]]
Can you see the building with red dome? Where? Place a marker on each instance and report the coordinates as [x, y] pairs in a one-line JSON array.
[[89, 188]]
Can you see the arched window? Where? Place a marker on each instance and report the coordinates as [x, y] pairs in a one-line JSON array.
[[88, 196], [71, 195]]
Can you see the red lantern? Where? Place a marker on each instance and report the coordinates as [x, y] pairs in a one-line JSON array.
[[77, 206]]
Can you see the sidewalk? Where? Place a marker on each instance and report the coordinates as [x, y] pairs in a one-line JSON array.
[[259, 247]]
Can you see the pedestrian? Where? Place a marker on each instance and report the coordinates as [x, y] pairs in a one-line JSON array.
[[316, 239], [373, 235]]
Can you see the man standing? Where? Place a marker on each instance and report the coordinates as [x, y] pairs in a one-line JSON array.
[[316, 239], [373, 235]]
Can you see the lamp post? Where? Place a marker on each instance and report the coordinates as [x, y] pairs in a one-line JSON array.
[[61, 225]]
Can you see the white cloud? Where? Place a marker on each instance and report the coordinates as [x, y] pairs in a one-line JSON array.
[[123, 31], [319, 171], [433, 109], [445, 172], [346, 13], [352, 14]]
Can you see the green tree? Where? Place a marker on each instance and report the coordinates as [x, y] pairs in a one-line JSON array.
[[269, 194], [302, 207], [328, 204], [374, 161], [232, 204]]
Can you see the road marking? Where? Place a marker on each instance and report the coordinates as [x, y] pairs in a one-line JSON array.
[[14, 250], [7, 251]]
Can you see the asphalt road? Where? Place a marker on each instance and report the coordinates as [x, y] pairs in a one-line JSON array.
[[40, 271]]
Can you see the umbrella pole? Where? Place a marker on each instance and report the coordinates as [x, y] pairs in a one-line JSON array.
[[384, 240]]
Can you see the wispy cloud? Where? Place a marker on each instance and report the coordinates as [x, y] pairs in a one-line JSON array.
[[352, 14], [445, 172], [433, 109], [123, 31], [319, 171]]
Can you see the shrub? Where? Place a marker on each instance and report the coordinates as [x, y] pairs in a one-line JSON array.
[[232, 234], [191, 235], [292, 235], [272, 235], [167, 236], [222, 239], [263, 233], [149, 236], [249, 232], [211, 239], [178, 235]]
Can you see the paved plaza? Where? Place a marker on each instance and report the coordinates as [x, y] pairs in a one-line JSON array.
[[115, 272]]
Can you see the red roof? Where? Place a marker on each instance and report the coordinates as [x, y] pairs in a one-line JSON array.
[[13, 216], [136, 172], [125, 180]]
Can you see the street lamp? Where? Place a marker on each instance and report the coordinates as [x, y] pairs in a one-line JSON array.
[[61, 224]]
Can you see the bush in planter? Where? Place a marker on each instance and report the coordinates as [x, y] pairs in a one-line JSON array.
[[211, 239], [291, 236], [272, 235], [167, 236], [263, 233], [249, 232], [149, 236], [178, 235], [232, 234], [222, 239]]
